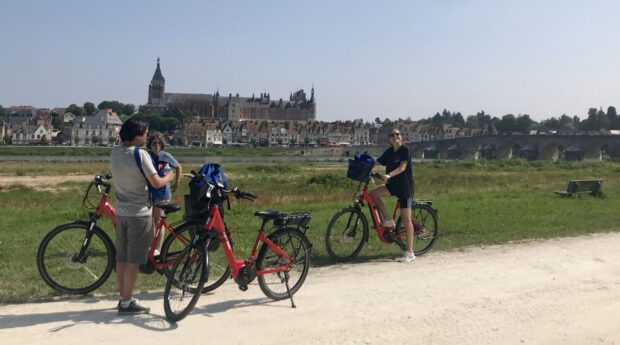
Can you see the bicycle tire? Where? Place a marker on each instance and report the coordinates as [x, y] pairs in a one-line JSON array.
[[343, 240], [191, 265], [219, 271], [425, 240], [57, 250], [297, 246]]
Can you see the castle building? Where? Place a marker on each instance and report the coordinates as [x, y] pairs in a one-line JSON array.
[[231, 107]]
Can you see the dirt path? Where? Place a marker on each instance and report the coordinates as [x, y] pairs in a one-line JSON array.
[[42, 181], [563, 291]]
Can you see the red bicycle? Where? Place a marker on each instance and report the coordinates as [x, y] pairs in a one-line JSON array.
[[280, 265], [78, 257], [347, 231]]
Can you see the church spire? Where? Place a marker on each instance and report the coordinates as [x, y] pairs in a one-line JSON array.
[[158, 76]]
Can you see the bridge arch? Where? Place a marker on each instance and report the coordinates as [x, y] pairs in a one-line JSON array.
[[550, 151]]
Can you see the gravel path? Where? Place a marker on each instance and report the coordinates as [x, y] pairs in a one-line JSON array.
[[564, 291]]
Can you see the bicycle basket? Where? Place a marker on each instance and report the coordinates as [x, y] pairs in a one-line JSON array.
[[195, 209], [358, 170]]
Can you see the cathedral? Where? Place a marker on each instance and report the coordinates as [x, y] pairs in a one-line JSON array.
[[231, 107]]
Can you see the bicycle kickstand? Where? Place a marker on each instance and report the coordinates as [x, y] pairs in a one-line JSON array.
[[288, 290]]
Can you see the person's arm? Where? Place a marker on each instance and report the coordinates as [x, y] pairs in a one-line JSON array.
[[156, 181], [177, 177], [402, 167], [150, 172]]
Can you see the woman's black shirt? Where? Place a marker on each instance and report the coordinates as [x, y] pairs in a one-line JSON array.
[[400, 185]]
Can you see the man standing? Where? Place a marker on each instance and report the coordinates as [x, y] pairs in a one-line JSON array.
[[133, 210]]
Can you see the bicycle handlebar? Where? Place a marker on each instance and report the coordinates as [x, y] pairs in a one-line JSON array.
[[375, 174], [103, 181], [238, 194]]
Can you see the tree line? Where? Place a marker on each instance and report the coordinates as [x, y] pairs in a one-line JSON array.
[[596, 120], [172, 119]]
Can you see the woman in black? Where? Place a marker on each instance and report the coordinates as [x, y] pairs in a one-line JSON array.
[[399, 183]]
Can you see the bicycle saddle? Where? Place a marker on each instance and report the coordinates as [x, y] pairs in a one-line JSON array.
[[268, 214], [170, 208]]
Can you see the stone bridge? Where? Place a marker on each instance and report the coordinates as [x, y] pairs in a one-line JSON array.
[[531, 147]]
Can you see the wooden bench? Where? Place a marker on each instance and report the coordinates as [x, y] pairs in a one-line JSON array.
[[592, 187]]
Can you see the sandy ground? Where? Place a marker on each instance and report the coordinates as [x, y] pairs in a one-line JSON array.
[[42, 182], [564, 291]]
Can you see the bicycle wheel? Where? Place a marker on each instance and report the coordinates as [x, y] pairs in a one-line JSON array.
[[425, 231], [185, 282], [218, 265], [60, 267], [297, 246], [346, 234]]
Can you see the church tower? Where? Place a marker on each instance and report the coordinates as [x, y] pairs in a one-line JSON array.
[[156, 88]]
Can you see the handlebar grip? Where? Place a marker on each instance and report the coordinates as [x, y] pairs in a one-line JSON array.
[[375, 174], [250, 195]]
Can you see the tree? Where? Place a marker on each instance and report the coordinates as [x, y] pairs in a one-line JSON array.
[[58, 139], [614, 122], [129, 109], [8, 139], [523, 124], [458, 120], [89, 108], [75, 110], [507, 124], [76, 140], [437, 119], [602, 120], [2, 111], [566, 122], [57, 121], [377, 120], [95, 140], [116, 106]]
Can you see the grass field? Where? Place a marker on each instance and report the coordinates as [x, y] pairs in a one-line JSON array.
[[479, 203], [105, 151]]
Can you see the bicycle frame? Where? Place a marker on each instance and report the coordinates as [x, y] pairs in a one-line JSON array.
[[364, 196], [105, 209], [215, 223]]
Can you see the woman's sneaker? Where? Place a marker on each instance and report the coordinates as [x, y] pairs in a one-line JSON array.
[[407, 257], [134, 308]]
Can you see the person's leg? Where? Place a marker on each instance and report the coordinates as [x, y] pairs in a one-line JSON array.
[[376, 194], [139, 236], [121, 252], [157, 214], [130, 275], [405, 215]]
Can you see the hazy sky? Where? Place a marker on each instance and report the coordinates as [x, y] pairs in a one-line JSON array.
[[365, 58]]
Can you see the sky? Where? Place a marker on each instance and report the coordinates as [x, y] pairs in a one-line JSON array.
[[365, 59]]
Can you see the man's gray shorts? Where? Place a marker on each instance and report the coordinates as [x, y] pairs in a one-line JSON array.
[[133, 238]]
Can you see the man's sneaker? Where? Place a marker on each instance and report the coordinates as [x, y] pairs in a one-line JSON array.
[[407, 257], [388, 223], [133, 309]]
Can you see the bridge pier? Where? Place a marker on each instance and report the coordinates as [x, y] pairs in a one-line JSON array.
[[470, 155], [594, 153]]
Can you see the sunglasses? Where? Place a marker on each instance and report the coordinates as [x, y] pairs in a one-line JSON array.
[[156, 143], [394, 135]]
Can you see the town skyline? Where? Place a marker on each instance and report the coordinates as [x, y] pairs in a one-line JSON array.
[[365, 60]]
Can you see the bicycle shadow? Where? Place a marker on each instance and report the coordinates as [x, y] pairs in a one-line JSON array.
[[107, 315], [215, 308]]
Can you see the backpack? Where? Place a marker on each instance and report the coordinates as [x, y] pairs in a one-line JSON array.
[[155, 193], [214, 174], [360, 167], [196, 203]]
